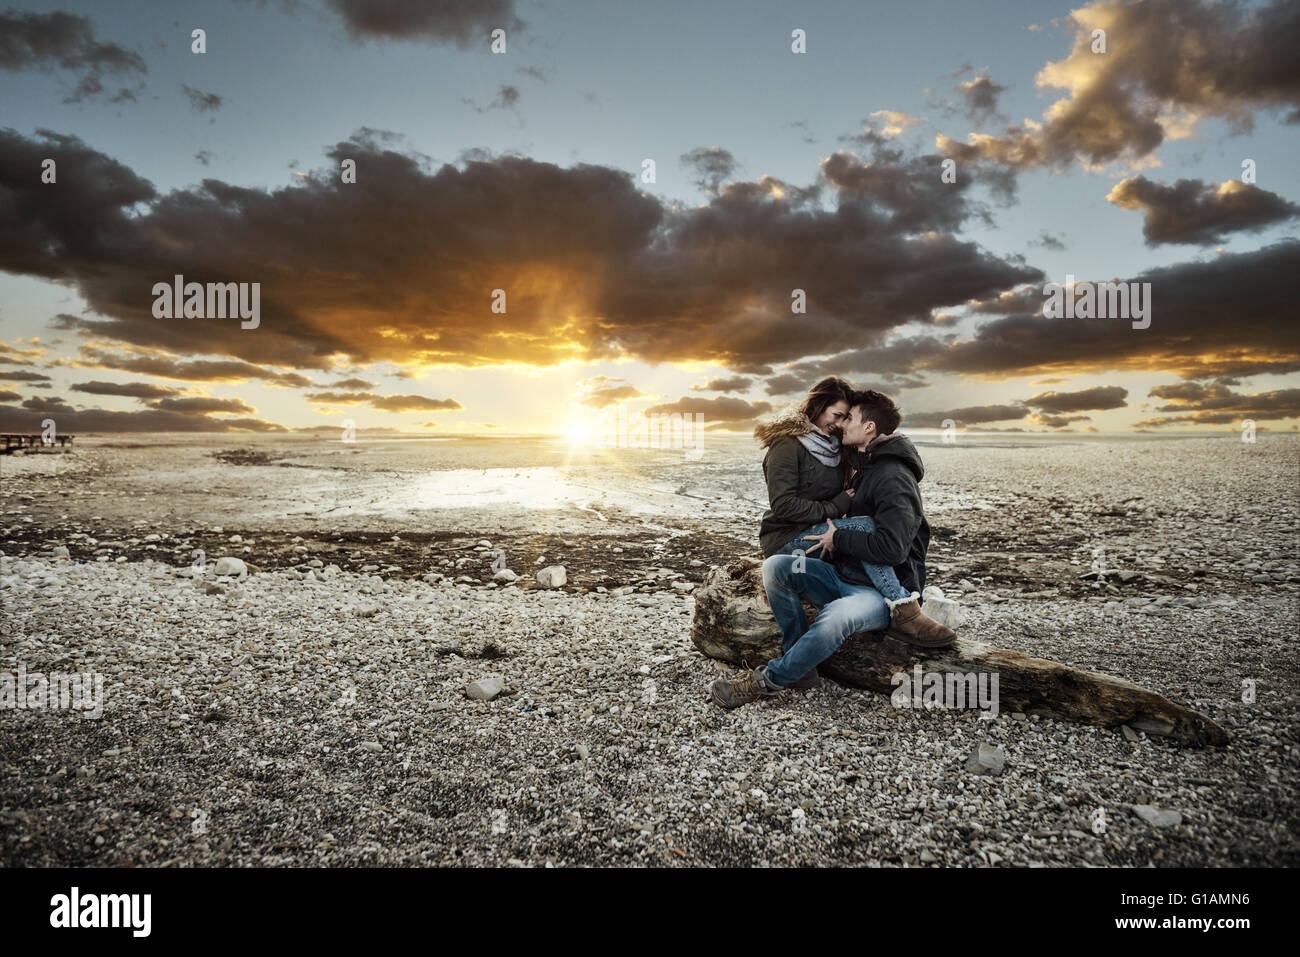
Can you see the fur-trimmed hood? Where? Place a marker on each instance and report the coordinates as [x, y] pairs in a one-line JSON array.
[[789, 421]]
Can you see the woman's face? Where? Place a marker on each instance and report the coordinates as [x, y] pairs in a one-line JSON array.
[[834, 416]]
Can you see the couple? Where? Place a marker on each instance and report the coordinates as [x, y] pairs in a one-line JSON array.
[[845, 531]]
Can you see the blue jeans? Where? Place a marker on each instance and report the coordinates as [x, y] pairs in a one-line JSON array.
[[845, 610], [882, 576]]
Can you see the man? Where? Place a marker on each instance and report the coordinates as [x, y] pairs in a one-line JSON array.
[[885, 488]]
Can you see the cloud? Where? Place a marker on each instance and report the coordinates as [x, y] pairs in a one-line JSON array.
[[8, 395], [353, 383], [1221, 317], [970, 415], [441, 21], [340, 398], [786, 384], [1215, 404], [593, 268], [506, 99], [1167, 64], [136, 390], [711, 164], [1097, 398], [200, 405], [1056, 421], [23, 376], [1047, 241], [600, 396], [735, 383], [414, 403], [191, 370], [894, 122], [201, 102], [47, 40], [69, 421], [724, 410], [1191, 211], [980, 96]]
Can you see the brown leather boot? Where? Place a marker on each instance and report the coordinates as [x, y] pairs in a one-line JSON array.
[[908, 623]]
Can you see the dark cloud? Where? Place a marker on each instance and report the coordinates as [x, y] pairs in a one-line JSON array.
[[463, 22], [1191, 211], [67, 41], [712, 165], [1056, 421], [201, 102], [1222, 317], [1167, 63], [593, 268], [603, 396], [352, 384], [1097, 398], [70, 421], [190, 370], [7, 395], [23, 377], [339, 398], [723, 410], [786, 384], [505, 100], [980, 97], [970, 415], [1046, 240], [735, 383], [135, 390], [414, 403], [1215, 403], [200, 405]]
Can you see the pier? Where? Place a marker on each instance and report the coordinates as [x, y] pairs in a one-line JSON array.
[[15, 441]]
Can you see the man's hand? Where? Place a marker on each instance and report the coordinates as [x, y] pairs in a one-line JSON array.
[[824, 541]]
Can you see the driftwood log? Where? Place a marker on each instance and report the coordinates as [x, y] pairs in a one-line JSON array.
[[734, 623]]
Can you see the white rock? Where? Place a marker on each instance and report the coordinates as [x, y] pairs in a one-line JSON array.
[[552, 576], [931, 591], [231, 566], [1157, 817], [504, 575], [485, 689], [61, 551], [943, 610]]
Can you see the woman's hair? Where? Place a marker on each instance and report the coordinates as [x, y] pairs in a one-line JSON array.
[[824, 394]]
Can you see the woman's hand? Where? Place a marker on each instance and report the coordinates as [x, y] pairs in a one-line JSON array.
[[824, 541]]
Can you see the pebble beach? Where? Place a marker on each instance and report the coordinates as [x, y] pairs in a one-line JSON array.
[[369, 688]]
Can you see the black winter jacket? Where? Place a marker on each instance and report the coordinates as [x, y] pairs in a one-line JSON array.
[[886, 488]]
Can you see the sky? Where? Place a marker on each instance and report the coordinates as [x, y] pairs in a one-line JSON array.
[[611, 208]]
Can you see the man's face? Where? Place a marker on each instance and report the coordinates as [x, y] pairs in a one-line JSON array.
[[857, 432]]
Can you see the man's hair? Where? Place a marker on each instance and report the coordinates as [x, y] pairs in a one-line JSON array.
[[878, 408], [825, 394]]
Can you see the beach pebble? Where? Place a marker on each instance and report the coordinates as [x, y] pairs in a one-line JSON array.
[[985, 759], [1157, 816], [485, 689], [231, 566], [552, 576]]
